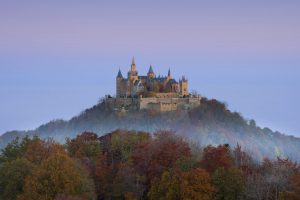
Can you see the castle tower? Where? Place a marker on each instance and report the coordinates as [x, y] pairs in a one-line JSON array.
[[132, 78], [183, 83], [119, 79], [133, 67], [133, 74], [169, 74], [150, 73]]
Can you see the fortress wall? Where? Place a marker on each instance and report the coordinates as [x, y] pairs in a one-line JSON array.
[[169, 104], [121, 102], [158, 104]]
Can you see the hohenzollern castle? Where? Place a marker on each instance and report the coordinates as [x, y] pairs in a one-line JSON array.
[[151, 92]]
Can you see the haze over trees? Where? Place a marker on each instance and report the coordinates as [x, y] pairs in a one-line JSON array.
[[211, 123], [138, 165]]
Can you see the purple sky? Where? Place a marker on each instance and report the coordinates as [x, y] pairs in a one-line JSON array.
[[59, 57]]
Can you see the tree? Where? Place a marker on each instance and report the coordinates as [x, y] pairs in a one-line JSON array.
[[15, 149], [12, 177], [38, 150], [276, 176], [103, 176], [241, 159], [127, 183], [123, 143], [57, 175], [293, 193], [229, 184], [173, 185], [196, 184], [153, 157], [216, 157], [165, 188], [85, 145]]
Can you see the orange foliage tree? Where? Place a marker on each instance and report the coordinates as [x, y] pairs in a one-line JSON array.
[[153, 157], [216, 157]]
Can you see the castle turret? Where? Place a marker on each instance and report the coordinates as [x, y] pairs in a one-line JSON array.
[[119, 79], [183, 84], [169, 74], [151, 73], [119, 74], [133, 74], [133, 67]]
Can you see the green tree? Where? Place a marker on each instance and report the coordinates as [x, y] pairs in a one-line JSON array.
[[12, 177], [229, 184], [15, 149]]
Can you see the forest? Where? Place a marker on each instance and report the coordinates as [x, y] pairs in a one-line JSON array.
[[136, 165]]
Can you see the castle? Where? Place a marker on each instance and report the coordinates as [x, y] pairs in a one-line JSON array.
[[151, 92]]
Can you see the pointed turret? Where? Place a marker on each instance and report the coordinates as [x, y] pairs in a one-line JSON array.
[[133, 67], [169, 73], [119, 74], [150, 72], [150, 69]]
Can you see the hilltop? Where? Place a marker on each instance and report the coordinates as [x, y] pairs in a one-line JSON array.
[[210, 123]]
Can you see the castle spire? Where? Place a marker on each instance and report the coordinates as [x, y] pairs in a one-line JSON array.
[[119, 74], [151, 72], [133, 67], [169, 72], [150, 69]]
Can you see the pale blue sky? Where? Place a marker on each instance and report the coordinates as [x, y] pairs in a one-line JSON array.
[[58, 58]]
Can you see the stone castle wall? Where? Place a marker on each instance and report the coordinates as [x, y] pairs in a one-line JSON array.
[[155, 103]]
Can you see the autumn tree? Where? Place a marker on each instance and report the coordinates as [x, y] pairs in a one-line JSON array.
[[229, 184], [153, 157], [293, 192], [194, 184], [57, 175], [274, 176], [123, 143], [38, 150], [104, 176], [216, 157], [241, 158], [128, 183], [85, 145], [165, 188]]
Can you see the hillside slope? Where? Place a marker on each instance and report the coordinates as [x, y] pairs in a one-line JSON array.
[[211, 123]]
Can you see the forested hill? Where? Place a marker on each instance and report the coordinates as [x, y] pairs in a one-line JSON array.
[[211, 123]]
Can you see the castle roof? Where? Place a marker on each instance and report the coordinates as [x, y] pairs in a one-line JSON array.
[[150, 69], [172, 81]]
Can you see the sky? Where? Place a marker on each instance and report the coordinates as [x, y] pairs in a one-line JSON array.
[[60, 57]]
